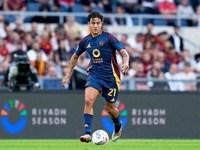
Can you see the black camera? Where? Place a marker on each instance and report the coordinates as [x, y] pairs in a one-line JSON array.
[[21, 75]]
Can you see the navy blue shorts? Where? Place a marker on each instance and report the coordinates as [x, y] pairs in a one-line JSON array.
[[109, 89]]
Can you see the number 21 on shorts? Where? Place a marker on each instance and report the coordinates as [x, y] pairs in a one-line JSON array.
[[112, 92]]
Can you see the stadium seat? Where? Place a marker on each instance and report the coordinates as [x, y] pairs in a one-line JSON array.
[[31, 6], [113, 8], [184, 23], [98, 8], [135, 21], [10, 18], [79, 8], [160, 22], [28, 19], [64, 8], [146, 21]]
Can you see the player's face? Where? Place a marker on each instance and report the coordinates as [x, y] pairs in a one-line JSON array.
[[95, 25]]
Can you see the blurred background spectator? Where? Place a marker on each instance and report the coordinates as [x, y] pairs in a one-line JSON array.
[[137, 45], [14, 40], [3, 49], [18, 29], [149, 36], [56, 8], [39, 64], [128, 5], [72, 26], [121, 20], [188, 74], [177, 40], [47, 2], [32, 53], [46, 45], [146, 60], [14, 5], [33, 31], [184, 8], [167, 7], [174, 75], [3, 33], [66, 4], [185, 57], [140, 85], [28, 40], [61, 55], [172, 56], [164, 64], [43, 19]]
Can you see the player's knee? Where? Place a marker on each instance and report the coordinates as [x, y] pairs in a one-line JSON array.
[[88, 101]]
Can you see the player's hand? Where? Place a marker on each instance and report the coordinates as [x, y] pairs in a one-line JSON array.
[[65, 81], [124, 68]]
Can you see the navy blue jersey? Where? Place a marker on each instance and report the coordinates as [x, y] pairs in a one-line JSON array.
[[102, 51]]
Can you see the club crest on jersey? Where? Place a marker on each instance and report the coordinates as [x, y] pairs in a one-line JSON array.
[[96, 53], [101, 43]]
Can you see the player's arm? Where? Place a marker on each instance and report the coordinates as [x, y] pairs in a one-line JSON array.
[[120, 48], [72, 64], [125, 65]]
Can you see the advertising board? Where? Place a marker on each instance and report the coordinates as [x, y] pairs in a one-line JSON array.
[[59, 115]]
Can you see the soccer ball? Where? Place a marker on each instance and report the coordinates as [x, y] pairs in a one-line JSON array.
[[100, 137]]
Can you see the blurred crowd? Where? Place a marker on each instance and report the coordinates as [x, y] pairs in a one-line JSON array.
[[161, 56], [165, 7], [48, 52]]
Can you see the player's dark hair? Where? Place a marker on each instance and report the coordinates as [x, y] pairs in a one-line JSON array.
[[95, 14]]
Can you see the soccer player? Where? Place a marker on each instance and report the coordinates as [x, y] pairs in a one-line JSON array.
[[103, 72]]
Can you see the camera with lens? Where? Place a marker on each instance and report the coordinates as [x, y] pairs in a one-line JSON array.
[[21, 75]]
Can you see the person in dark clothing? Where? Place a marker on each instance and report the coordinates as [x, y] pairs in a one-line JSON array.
[[43, 19], [177, 40], [56, 8]]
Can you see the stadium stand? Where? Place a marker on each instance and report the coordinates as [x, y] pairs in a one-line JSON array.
[[139, 19]]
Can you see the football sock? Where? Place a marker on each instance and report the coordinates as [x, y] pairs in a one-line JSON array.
[[117, 123], [87, 123]]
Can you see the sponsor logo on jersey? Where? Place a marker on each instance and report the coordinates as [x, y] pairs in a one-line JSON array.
[[96, 53], [88, 46]]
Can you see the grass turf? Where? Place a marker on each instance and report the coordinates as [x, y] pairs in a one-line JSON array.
[[122, 144]]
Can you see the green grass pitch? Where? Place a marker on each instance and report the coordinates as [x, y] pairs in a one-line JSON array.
[[122, 144]]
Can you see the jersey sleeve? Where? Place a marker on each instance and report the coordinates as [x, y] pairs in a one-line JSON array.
[[80, 48], [115, 42]]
